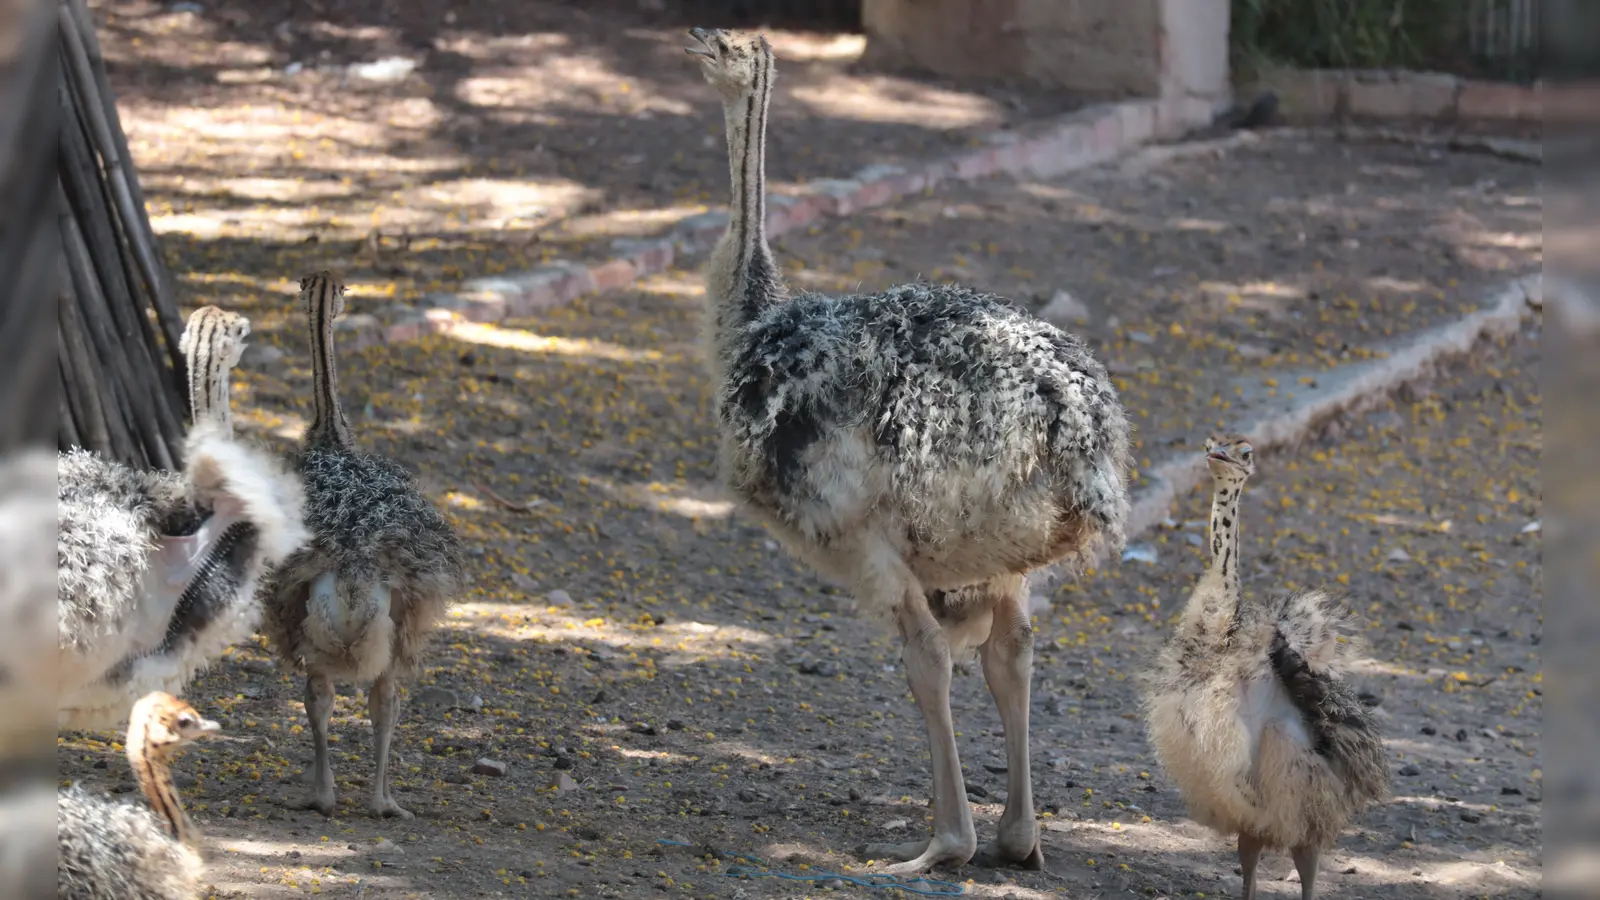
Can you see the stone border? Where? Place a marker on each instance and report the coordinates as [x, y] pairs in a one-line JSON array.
[[1347, 392], [1319, 95], [1073, 141]]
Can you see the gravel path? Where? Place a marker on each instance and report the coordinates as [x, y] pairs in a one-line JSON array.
[[473, 138], [1279, 259], [648, 669]]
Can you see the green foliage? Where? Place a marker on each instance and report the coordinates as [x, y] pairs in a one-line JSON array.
[[1344, 34]]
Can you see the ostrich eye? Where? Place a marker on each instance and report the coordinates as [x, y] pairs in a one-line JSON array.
[[185, 721]]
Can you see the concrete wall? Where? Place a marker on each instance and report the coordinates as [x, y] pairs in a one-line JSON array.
[[1107, 49]]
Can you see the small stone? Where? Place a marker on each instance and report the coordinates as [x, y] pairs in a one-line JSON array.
[[386, 847], [437, 698], [563, 762], [523, 582], [995, 768], [1429, 730], [1461, 735], [1250, 351], [475, 704], [1063, 310], [493, 767], [1397, 555], [563, 782], [822, 668], [1410, 769], [1470, 817], [387, 70], [558, 597], [1141, 337], [1145, 553], [256, 355], [1194, 540]]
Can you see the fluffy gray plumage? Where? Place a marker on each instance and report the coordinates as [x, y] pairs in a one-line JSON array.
[[108, 518], [1247, 708], [110, 850], [359, 601], [369, 524], [950, 412], [927, 446], [126, 629]]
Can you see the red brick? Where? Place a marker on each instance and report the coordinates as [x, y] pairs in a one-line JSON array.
[[652, 258], [1487, 100], [401, 332], [1065, 148], [1107, 135], [613, 274], [976, 164], [1138, 121]]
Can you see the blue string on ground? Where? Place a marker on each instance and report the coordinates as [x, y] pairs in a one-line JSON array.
[[927, 887]]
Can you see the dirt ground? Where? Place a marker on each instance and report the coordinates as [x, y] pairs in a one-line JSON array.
[[1281, 259], [650, 667], [483, 137], [692, 684]]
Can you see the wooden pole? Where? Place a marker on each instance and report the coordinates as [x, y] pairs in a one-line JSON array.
[[29, 255], [118, 331]]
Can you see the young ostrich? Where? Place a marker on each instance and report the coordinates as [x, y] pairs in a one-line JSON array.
[[108, 850], [1247, 711], [358, 602], [213, 341], [926, 447], [157, 571]]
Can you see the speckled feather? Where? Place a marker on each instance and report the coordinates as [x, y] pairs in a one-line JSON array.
[[1246, 706], [969, 409], [369, 522], [110, 849], [370, 525], [108, 516]]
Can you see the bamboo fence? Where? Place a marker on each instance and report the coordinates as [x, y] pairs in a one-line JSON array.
[[121, 374], [28, 257]]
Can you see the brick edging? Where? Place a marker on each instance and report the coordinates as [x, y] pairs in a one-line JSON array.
[[1078, 139], [1346, 393], [1319, 95]]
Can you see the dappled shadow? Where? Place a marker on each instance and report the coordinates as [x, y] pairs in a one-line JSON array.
[[627, 630], [512, 133], [1214, 286]]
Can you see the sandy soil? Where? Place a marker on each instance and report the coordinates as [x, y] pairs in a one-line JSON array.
[[650, 667], [482, 138]]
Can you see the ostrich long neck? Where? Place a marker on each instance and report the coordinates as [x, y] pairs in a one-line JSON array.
[[1222, 575], [208, 382], [328, 426], [754, 280], [155, 781]]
